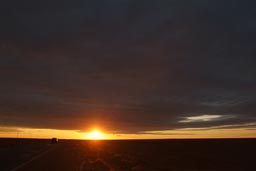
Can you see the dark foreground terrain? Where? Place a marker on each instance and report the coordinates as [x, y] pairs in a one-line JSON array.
[[139, 155]]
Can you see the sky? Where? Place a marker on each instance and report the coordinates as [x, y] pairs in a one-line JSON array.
[[131, 68]]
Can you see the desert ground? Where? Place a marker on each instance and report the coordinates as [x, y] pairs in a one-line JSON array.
[[128, 155]]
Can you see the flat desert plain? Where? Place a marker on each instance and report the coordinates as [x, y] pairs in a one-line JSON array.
[[128, 155]]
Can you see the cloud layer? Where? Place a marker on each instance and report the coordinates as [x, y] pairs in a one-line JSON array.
[[128, 65]]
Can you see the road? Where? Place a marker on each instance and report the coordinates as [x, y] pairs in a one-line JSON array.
[[178, 155], [66, 157]]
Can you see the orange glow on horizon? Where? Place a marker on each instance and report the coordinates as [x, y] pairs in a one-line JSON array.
[[97, 134]]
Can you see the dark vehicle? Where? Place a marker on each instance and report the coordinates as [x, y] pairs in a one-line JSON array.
[[54, 140]]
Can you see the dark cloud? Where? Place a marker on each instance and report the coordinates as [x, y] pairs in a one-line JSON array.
[[129, 65]]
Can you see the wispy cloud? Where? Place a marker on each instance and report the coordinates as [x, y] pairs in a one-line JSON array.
[[205, 118], [249, 126]]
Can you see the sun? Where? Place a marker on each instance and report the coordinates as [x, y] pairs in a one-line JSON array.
[[95, 135]]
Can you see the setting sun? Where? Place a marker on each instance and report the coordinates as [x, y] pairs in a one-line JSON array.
[[95, 135]]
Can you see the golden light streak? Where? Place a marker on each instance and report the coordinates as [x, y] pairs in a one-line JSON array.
[[213, 132]]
